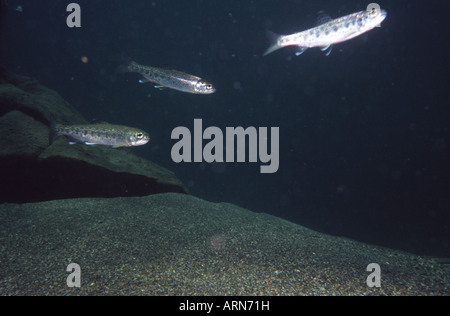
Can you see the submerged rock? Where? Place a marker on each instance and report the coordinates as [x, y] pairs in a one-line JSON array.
[[31, 170], [28, 96], [21, 134]]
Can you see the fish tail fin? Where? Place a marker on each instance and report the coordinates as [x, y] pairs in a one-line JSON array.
[[126, 59], [126, 63], [121, 69], [53, 134], [274, 43]]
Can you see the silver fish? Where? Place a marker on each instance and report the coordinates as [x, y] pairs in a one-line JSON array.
[[100, 134], [169, 78], [329, 33]]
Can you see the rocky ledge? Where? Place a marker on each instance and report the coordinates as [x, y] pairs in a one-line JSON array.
[[31, 170]]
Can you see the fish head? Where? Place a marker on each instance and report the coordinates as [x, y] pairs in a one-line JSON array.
[[372, 17], [137, 138], [204, 87]]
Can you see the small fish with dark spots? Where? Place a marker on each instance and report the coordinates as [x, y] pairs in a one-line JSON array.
[[100, 134], [330, 32], [168, 78]]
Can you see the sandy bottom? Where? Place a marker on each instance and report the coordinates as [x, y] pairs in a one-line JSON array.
[[175, 244]]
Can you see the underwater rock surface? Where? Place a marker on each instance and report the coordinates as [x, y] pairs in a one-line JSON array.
[[176, 244], [31, 170]]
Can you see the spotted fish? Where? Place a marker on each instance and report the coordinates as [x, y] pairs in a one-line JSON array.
[[168, 78], [100, 134], [331, 32]]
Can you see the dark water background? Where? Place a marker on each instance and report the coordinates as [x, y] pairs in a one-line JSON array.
[[364, 133]]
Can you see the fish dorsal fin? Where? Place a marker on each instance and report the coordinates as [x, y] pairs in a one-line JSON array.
[[322, 18], [96, 121], [167, 67]]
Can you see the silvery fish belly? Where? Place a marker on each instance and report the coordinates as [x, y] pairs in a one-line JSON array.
[[170, 78], [100, 134], [331, 32]]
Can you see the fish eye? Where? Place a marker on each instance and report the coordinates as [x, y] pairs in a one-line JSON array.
[[209, 86], [139, 135], [373, 12]]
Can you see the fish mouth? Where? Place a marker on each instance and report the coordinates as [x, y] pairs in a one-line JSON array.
[[379, 18], [142, 142], [204, 91]]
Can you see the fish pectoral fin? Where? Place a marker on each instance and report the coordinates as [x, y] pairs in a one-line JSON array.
[[160, 87], [143, 80], [90, 144], [327, 49], [118, 146], [301, 50], [72, 143]]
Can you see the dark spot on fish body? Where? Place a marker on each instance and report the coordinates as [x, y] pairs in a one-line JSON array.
[[335, 29], [75, 131], [360, 21]]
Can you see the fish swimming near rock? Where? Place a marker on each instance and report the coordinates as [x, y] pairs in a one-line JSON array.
[[168, 78], [100, 133], [330, 32]]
